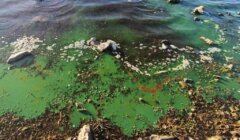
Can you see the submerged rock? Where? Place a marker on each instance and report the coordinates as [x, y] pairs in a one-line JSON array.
[[198, 10], [85, 133]]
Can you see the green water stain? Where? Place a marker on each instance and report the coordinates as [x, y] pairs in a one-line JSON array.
[[27, 94], [130, 114], [107, 66]]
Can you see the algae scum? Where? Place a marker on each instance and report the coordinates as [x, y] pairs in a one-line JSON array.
[[133, 90]]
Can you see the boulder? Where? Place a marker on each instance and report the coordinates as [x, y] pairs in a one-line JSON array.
[[85, 133], [18, 56], [198, 10]]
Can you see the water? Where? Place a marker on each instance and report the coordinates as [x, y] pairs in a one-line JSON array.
[[64, 73]]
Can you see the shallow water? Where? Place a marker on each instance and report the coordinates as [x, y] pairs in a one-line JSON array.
[[64, 73]]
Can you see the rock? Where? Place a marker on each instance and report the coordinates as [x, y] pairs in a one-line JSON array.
[[18, 56], [108, 45], [198, 10], [207, 40], [173, 1], [157, 137], [85, 133], [166, 42], [92, 42]]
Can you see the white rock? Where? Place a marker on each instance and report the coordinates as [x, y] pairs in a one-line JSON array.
[[164, 47], [85, 133], [108, 44]]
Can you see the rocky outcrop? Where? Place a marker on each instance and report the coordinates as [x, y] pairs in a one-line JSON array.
[[85, 133]]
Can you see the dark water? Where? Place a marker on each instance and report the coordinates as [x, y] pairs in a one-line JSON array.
[[128, 22], [109, 18]]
